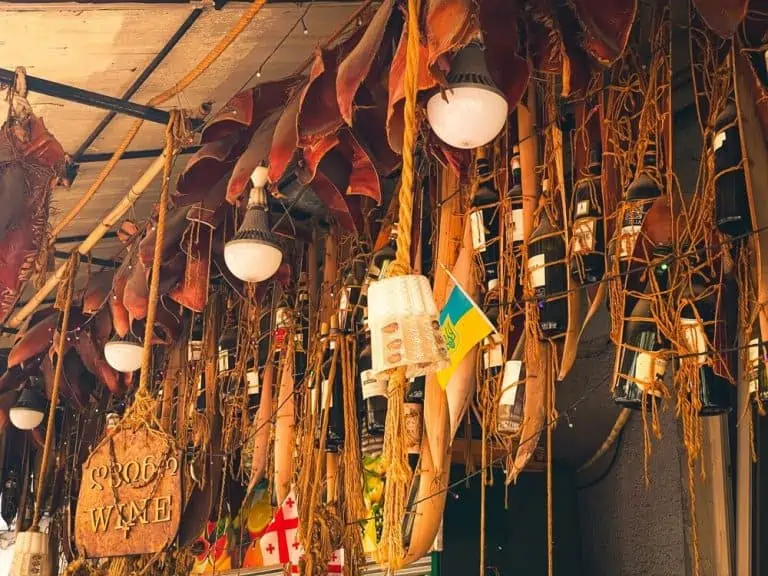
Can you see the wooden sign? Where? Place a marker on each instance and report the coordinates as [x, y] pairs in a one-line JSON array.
[[130, 496]]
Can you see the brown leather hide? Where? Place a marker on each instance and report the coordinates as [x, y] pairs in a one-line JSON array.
[[605, 26], [31, 163], [36, 339], [722, 16], [256, 153], [449, 26]]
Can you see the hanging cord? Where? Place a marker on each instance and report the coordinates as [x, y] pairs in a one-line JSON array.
[[175, 134], [161, 98], [391, 549], [63, 300]]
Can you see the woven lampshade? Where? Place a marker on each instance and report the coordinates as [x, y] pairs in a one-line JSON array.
[[404, 327]]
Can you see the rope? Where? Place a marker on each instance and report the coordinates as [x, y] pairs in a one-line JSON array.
[[161, 98], [74, 260], [175, 133], [391, 549]]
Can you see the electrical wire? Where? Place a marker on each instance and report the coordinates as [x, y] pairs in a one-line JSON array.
[[611, 464]]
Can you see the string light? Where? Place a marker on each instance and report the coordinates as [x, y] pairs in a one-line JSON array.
[[304, 28]]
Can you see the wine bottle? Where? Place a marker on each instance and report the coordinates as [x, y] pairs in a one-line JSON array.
[[639, 196], [228, 347], [757, 377], [640, 362], [301, 333], [252, 387], [374, 392], [511, 398], [350, 296], [414, 419], [548, 274], [484, 222], [588, 247], [384, 257], [731, 204], [331, 395], [493, 355], [195, 342], [514, 221]]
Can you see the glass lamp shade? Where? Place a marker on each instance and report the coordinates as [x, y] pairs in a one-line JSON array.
[[124, 355], [29, 410], [472, 110], [405, 331], [254, 254]]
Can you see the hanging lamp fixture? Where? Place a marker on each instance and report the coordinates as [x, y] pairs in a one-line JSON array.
[[472, 110], [29, 410], [124, 355], [254, 254]]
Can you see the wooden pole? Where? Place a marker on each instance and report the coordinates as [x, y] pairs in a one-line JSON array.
[[96, 234]]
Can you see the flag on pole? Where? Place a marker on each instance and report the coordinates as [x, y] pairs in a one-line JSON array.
[[280, 541], [463, 325]]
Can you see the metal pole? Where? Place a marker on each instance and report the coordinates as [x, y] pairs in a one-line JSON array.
[[72, 94]]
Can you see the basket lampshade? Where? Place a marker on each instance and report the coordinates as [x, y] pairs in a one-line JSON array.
[[405, 332]]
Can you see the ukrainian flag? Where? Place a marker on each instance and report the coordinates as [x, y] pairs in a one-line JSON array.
[[463, 325]]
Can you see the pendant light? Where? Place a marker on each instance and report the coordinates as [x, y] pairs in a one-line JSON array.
[[29, 410], [124, 355], [472, 110], [254, 254]]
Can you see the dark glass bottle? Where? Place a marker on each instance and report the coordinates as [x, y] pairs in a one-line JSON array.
[[195, 342], [731, 203], [757, 377], [484, 222], [332, 395], [200, 402], [414, 419], [514, 220], [384, 257], [252, 386], [301, 333], [714, 390], [548, 275], [374, 392], [228, 347], [640, 364], [640, 194], [511, 398], [350, 296], [588, 245]]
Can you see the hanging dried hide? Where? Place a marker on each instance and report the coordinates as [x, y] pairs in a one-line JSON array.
[[722, 16], [97, 292], [205, 169], [90, 348], [121, 320], [33, 162], [396, 104], [605, 26], [232, 119], [36, 339], [450, 25], [363, 178], [546, 43], [368, 58], [256, 153], [75, 384], [510, 72]]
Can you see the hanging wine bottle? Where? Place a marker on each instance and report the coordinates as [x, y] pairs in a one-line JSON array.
[[757, 377], [493, 355], [639, 196], [484, 222], [731, 203], [383, 258], [588, 246], [548, 274], [301, 332], [228, 347], [374, 392], [195, 342], [511, 398], [350, 296], [414, 419], [514, 220], [640, 364], [330, 396]]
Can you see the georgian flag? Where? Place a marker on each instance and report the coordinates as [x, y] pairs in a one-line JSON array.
[[280, 541]]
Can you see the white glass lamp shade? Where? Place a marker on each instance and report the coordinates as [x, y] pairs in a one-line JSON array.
[[472, 110], [124, 355], [29, 410], [254, 254], [405, 332]]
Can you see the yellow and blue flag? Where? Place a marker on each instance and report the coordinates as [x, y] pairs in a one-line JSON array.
[[463, 325]]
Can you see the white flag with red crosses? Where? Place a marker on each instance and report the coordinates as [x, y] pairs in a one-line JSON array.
[[280, 541]]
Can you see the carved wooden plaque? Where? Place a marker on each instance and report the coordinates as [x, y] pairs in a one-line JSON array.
[[130, 496]]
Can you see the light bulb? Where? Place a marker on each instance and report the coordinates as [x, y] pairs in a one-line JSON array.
[[29, 410], [472, 110], [254, 254], [124, 355]]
